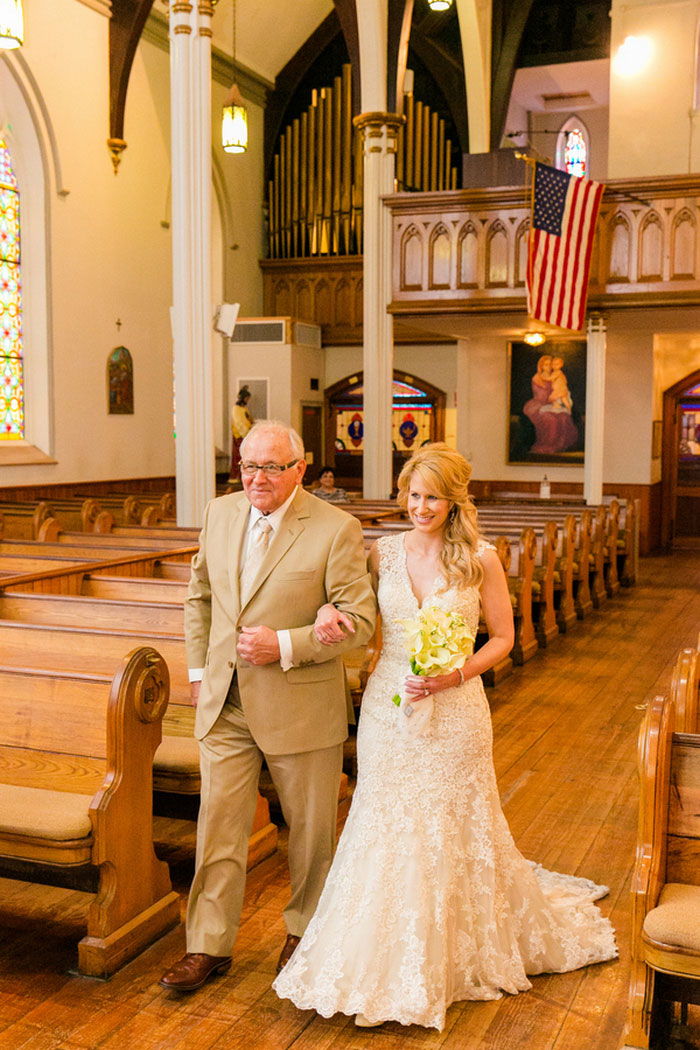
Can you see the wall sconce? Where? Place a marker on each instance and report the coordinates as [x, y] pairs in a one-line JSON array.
[[533, 338], [11, 24], [633, 56]]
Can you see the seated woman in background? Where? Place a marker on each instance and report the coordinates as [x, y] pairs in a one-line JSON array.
[[326, 487]]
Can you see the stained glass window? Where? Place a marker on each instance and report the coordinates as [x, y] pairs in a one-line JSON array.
[[575, 153], [11, 375]]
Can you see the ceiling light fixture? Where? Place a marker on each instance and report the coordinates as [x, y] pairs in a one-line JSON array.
[[234, 120], [11, 24]]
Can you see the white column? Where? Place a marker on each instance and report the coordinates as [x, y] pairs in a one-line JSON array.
[[190, 90], [379, 132], [595, 410]]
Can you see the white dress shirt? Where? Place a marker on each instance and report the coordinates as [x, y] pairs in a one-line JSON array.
[[274, 518]]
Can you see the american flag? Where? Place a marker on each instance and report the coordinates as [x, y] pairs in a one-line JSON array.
[[564, 214]]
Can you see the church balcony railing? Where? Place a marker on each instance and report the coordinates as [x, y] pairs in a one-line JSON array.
[[467, 249]]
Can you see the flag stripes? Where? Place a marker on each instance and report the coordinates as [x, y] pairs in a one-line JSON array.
[[561, 243]]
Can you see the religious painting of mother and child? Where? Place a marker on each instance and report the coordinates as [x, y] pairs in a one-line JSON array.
[[547, 401]]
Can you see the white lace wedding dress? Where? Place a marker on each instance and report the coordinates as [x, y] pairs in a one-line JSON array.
[[428, 900]]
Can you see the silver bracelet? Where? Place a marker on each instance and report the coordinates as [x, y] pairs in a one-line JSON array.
[[460, 672]]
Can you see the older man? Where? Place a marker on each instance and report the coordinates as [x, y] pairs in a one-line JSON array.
[[269, 557]]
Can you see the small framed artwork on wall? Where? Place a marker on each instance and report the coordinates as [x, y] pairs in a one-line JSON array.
[[120, 382]]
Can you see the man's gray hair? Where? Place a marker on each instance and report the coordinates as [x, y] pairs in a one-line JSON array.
[[275, 426]]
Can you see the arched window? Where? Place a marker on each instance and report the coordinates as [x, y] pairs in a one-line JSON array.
[[573, 147], [29, 170], [575, 153], [11, 366]]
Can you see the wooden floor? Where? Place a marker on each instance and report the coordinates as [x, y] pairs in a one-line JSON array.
[[565, 742]]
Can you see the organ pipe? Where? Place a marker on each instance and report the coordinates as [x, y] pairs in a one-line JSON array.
[[315, 193]]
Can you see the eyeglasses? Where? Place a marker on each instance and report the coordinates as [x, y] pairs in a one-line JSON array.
[[270, 470]]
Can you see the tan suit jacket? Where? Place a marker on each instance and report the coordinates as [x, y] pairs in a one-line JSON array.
[[315, 556]]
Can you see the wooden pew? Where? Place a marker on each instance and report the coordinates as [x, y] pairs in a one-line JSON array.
[[573, 554], [69, 611], [23, 520], [129, 539], [610, 548], [503, 667], [564, 575], [544, 610], [685, 684], [666, 881], [628, 543], [525, 644], [134, 588], [582, 566], [76, 793], [176, 778]]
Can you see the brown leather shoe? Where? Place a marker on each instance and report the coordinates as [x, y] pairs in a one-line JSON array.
[[192, 970], [287, 952]]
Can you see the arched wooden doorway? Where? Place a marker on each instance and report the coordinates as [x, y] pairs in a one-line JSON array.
[[680, 461], [418, 417]]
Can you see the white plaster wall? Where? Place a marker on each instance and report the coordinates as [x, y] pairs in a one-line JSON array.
[[651, 114], [307, 364], [629, 395], [109, 254], [243, 231]]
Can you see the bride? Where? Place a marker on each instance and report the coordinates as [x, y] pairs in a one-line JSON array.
[[428, 900]]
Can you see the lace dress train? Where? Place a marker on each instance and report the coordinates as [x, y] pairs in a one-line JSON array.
[[428, 900]]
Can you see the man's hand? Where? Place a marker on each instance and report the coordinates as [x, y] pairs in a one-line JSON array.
[[258, 645], [194, 692], [332, 625]]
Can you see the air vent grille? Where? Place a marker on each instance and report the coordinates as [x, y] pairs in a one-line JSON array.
[[258, 332]]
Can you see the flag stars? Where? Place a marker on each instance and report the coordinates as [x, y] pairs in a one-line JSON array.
[[551, 186]]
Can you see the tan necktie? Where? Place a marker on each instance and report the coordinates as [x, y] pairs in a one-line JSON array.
[[257, 547]]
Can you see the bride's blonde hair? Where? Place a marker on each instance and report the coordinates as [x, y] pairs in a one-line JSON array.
[[445, 473]]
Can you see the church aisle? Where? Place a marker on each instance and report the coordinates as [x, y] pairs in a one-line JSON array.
[[565, 734]]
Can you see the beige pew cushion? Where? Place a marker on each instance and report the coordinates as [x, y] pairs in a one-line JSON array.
[[676, 918], [56, 815], [177, 754]]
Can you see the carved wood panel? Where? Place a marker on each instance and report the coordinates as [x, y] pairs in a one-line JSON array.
[[328, 293], [471, 246]]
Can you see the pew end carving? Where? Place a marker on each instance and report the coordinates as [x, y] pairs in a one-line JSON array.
[[107, 806], [685, 683], [666, 881]]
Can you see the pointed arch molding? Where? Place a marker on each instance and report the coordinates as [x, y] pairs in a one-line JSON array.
[[36, 105], [669, 457]]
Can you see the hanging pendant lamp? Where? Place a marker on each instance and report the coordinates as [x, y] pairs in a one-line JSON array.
[[234, 120], [11, 24], [439, 5]]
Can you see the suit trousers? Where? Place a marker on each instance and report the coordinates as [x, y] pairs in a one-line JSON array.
[[307, 784]]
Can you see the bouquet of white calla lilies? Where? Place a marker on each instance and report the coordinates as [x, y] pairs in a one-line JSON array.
[[437, 641]]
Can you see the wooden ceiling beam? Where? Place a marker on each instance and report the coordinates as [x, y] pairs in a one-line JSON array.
[[125, 28]]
